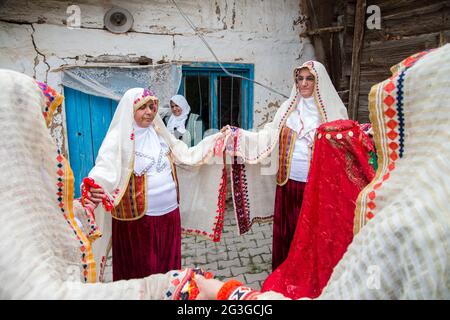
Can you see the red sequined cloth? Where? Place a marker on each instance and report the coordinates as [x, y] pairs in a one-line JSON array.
[[339, 170]]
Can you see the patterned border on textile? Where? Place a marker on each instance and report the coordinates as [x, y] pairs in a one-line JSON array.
[[286, 149], [183, 284], [241, 200], [133, 204], [220, 216], [221, 206], [410, 61], [53, 100], [179, 278], [387, 118], [104, 260], [101, 277], [65, 203], [240, 197], [93, 231]]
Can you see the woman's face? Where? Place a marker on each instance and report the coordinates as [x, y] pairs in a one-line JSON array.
[[176, 110], [146, 113], [305, 82]]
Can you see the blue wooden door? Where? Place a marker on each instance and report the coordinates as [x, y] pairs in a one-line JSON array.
[[88, 118]]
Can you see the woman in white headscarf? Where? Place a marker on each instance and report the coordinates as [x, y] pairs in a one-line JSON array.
[[144, 178], [286, 145], [401, 249], [46, 235], [183, 124]]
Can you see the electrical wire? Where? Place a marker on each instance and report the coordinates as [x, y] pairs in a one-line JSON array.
[[194, 28]]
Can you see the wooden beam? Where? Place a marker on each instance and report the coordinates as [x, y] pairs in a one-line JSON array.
[[322, 30], [358, 37]]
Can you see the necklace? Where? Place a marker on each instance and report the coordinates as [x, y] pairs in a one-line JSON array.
[[161, 164]]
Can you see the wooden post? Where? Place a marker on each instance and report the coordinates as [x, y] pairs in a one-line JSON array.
[[308, 9], [442, 39], [358, 37]]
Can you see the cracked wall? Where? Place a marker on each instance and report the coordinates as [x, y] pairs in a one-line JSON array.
[[35, 40]]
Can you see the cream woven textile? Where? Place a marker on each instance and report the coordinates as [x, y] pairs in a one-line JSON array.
[[40, 251]]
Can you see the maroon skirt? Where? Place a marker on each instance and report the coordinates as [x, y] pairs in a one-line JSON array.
[[288, 202], [149, 245]]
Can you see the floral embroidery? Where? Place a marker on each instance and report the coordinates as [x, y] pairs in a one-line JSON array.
[[219, 218], [240, 197], [145, 94]]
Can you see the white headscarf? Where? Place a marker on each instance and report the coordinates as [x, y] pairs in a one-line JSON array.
[[326, 97], [114, 162], [179, 121]]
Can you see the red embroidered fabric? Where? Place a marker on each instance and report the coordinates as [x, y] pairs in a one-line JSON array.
[[339, 170]]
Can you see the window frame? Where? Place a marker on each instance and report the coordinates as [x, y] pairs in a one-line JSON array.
[[213, 70]]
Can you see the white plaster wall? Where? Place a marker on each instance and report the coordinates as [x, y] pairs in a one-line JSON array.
[[35, 40], [16, 48]]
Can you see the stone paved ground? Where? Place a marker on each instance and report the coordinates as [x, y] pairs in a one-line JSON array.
[[247, 258]]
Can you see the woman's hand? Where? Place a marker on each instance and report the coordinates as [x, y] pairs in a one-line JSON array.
[[225, 129], [208, 288], [90, 205], [96, 195]]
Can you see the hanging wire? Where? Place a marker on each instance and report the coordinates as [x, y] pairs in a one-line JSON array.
[[193, 27], [220, 101], [200, 95], [232, 102]]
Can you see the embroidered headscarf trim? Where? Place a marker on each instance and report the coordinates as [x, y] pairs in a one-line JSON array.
[[146, 96], [52, 100]]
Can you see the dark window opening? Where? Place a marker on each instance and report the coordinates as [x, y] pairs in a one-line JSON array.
[[230, 106], [198, 97]]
